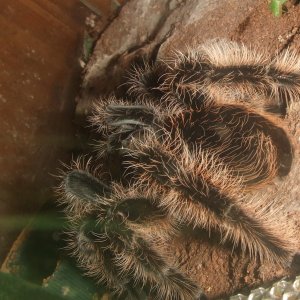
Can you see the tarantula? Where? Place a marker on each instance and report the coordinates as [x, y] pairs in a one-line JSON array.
[[198, 136]]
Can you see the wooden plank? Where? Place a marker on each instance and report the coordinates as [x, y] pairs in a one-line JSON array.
[[39, 76], [104, 8]]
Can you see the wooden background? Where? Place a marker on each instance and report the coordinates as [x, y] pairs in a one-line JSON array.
[[40, 44]]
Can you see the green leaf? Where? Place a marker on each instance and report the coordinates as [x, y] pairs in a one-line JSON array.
[[41, 222], [88, 43], [276, 7], [37, 267], [15, 288], [67, 281]]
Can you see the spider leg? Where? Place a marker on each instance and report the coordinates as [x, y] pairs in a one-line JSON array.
[[129, 115], [185, 79], [246, 123], [112, 113], [149, 82], [109, 246], [228, 72], [96, 261], [252, 144], [144, 81], [198, 188], [76, 200], [124, 119]]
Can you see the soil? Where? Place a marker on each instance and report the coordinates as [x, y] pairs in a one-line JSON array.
[[219, 271]]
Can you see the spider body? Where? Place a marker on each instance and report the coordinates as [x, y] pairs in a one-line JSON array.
[[194, 151]]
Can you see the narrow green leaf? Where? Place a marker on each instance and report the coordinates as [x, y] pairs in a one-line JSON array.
[[276, 7], [40, 222], [88, 43], [67, 281], [15, 288]]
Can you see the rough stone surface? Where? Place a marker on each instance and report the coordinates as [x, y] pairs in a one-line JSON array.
[[101, 70], [156, 28]]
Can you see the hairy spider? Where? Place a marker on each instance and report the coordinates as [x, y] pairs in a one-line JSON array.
[[111, 234], [199, 135]]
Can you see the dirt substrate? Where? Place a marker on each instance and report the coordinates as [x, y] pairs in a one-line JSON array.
[[170, 25]]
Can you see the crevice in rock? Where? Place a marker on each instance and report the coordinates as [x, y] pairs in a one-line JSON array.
[[157, 47], [158, 27], [295, 31], [152, 56], [111, 19]]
